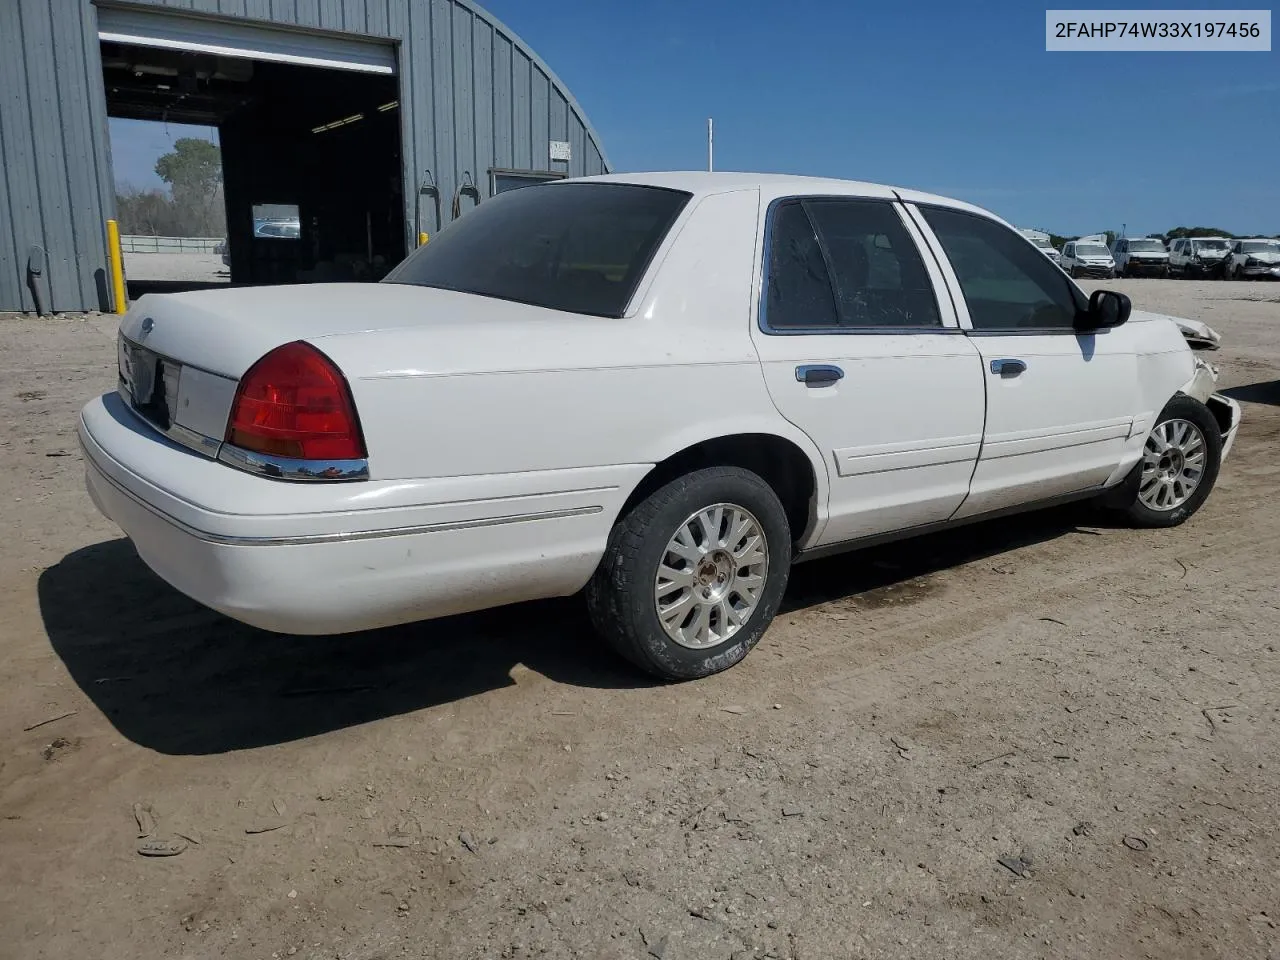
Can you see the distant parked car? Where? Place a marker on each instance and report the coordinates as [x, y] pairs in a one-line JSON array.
[[1254, 259], [1198, 256], [284, 229], [658, 389], [1088, 258], [1043, 244], [224, 250], [1140, 257]]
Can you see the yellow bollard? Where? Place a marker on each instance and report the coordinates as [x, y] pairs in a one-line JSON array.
[[115, 260], [422, 239]]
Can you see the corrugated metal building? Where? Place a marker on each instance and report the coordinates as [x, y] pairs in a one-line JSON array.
[[460, 95]]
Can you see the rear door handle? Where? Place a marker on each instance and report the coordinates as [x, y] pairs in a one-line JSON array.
[[818, 374], [1008, 368]]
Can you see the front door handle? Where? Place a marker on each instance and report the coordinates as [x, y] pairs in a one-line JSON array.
[[818, 374], [1008, 368]]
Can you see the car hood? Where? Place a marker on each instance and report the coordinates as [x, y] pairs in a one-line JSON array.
[[1269, 257]]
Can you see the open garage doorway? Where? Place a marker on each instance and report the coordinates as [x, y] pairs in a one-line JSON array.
[[309, 130]]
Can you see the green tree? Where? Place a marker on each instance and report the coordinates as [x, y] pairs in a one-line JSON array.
[[193, 171], [194, 166], [1177, 233]]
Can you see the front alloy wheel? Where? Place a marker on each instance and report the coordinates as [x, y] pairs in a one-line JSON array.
[[1172, 465], [1178, 468]]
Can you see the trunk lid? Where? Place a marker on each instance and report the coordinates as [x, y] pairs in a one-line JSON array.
[[225, 331], [182, 355]]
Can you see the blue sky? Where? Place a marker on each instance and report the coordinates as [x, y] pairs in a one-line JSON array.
[[137, 144], [940, 96]]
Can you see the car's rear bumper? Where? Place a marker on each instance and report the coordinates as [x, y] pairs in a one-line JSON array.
[[343, 559]]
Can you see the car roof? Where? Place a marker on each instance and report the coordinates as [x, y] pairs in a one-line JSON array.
[[774, 185]]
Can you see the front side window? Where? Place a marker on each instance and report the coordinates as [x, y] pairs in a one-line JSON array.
[[1006, 285], [577, 247], [860, 250]]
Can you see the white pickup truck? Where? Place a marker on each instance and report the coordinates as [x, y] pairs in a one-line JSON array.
[[662, 389]]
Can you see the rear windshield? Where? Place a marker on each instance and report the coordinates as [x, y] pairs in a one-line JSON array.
[[577, 247]]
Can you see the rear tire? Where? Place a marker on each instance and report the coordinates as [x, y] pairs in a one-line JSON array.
[[661, 556], [1179, 466]]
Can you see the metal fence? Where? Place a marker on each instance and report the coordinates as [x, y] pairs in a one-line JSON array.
[[141, 244]]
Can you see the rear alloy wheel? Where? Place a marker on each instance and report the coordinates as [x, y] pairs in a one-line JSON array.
[[693, 574], [1178, 469]]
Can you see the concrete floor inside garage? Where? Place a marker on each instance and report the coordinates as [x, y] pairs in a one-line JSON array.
[[323, 141]]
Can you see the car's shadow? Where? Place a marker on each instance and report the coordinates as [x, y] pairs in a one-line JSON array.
[[1266, 391], [180, 679]]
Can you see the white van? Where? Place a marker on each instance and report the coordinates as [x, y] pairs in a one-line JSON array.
[[1043, 244], [1140, 257], [1197, 256], [1088, 257]]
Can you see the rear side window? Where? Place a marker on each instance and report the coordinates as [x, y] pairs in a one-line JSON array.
[[577, 247], [845, 264], [800, 293]]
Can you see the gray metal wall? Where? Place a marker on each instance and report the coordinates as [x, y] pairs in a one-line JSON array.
[[473, 97]]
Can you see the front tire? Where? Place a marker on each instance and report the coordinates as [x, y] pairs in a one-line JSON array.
[[693, 574], [1179, 466]]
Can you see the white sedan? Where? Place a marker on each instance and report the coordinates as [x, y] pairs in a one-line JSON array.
[[662, 389]]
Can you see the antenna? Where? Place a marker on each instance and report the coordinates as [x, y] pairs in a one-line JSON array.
[[711, 144]]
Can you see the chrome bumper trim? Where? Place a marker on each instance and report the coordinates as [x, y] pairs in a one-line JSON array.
[[285, 468], [239, 541]]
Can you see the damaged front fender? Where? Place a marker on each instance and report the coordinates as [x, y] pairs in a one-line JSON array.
[[1203, 382], [1226, 411]]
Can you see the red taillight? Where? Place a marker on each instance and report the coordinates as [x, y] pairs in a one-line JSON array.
[[295, 403]]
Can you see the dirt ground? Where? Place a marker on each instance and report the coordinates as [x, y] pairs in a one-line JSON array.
[[1039, 737], [201, 267]]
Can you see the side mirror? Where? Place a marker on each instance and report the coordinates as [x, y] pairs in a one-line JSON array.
[[1106, 309]]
